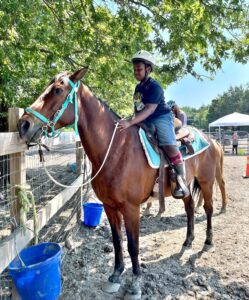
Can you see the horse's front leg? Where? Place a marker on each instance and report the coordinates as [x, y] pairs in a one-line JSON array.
[[131, 220], [115, 220], [189, 207]]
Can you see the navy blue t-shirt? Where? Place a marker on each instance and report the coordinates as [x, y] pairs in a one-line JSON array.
[[150, 92]]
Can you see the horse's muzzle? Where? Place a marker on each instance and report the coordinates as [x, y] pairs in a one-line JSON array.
[[28, 131], [23, 127]]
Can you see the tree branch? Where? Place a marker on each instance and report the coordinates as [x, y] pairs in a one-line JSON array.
[[148, 8], [233, 35], [53, 11], [18, 45], [72, 62], [83, 8]]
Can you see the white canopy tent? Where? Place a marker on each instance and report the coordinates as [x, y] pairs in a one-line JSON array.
[[234, 119]]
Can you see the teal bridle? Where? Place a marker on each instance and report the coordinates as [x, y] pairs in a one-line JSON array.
[[71, 98]]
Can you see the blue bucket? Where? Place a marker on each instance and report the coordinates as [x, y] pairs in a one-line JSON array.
[[92, 213], [40, 278]]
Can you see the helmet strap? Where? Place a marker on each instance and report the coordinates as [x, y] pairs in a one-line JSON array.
[[146, 77], [147, 74]]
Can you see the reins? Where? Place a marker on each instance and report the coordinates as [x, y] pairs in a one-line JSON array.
[[85, 183]]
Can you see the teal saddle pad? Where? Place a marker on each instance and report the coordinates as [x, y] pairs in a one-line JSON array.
[[199, 144]]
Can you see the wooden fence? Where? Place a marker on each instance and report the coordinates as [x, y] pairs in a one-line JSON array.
[[12, 145]]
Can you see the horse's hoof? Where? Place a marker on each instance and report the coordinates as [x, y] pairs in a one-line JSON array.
[[187, 244], [186, 252], [146, 213], [208, 248], [223, 210], [110, 287], [133, 290], [186, 248], [132, 296]]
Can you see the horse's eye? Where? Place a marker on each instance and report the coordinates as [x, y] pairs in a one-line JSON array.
[[58, 91]]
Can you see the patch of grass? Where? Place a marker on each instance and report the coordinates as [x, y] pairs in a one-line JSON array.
[[241, 152]]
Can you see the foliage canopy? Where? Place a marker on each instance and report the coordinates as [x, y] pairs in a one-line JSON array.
[[235, 99], [41, 38]]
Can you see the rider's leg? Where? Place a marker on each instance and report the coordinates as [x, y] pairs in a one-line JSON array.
[[175, 158], [167, 141]]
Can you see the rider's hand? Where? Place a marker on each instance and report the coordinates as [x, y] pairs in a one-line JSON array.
[[124, 124]]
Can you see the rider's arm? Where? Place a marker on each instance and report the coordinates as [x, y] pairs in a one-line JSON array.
[[145, 113]]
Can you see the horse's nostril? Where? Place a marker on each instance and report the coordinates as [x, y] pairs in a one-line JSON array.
[[23, 126]]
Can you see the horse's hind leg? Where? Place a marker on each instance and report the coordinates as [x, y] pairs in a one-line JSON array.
[[207, 191], [220, 180], [221, 183], [148, 207], [189, 208], [115, 220]]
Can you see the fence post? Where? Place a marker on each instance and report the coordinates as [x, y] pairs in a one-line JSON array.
[[17, 174], [17, 164]]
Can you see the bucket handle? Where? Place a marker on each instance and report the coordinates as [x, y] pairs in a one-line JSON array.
[[93, 199]]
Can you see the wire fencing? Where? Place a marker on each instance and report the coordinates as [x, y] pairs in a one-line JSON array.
[[65, 162], [225, 139]]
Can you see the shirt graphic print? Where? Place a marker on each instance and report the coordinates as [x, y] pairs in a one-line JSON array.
[[139, 105]]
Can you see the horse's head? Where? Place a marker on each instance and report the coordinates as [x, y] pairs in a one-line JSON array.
[[53, 109]]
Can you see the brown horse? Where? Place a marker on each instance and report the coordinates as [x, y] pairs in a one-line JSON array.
[[126, 179]]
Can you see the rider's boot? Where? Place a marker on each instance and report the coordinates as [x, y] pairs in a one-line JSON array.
[[179, 188]]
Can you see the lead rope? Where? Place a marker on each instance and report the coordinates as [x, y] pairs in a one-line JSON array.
[[85, 183]]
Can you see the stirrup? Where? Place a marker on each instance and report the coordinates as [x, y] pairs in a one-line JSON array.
[[178, 193], [181, 190]]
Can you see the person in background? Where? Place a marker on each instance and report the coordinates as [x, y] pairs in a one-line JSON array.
[[235, 142], [179, 114]]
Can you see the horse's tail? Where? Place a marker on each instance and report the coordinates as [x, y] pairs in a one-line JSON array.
[[196, 192]]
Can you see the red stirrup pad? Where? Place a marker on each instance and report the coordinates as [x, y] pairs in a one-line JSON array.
[[176, 160]]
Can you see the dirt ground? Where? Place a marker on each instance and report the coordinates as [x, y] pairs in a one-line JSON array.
[[167, 274]]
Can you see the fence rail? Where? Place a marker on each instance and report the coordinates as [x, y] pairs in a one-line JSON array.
[[11, 143]]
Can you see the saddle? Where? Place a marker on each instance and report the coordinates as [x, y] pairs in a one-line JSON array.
[[183, 136]]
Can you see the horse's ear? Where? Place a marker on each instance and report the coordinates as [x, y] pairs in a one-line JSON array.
[[78, 75]]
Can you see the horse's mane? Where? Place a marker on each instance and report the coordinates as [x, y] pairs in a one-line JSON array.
[[66, 73], [108, 107], [105, 104]]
